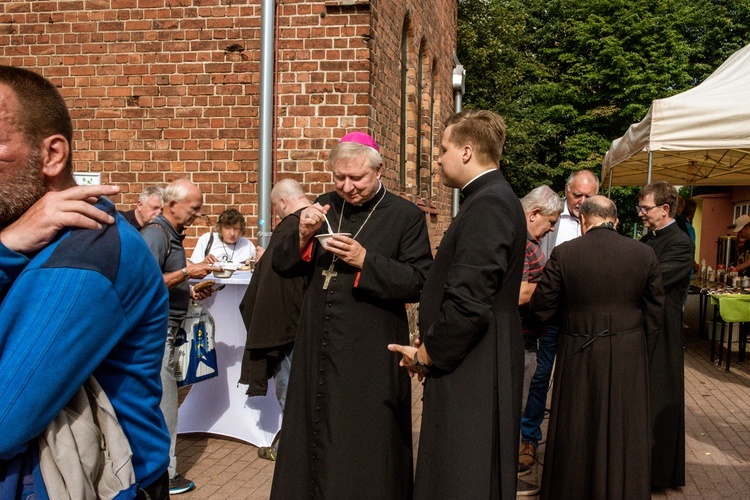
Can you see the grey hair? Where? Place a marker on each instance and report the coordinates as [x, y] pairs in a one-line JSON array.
[[177, 190], [349, 150], [599, 206], [151, 191], [575, 174], [544, 199]]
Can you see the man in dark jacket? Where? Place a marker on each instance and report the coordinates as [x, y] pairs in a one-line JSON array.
[[657, 203], [270, 309], [606, 289], [471, 344]]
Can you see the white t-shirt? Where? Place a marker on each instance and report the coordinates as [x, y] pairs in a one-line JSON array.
[[239, 252]]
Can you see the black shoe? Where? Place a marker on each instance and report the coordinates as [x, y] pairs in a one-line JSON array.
[[524, 489], [179, 484]]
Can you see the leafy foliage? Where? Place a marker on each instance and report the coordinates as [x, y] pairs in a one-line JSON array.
[[570, 76]]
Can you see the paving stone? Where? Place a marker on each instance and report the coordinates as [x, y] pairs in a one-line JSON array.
[[717, 418]]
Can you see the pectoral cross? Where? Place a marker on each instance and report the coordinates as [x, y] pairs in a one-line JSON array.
[[329, 273]]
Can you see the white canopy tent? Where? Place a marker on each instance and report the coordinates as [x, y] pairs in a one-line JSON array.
[[700, 137]]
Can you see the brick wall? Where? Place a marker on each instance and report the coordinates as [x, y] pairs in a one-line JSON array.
[[164, 89]]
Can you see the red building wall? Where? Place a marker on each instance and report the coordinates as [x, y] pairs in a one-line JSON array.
[[164, 89]]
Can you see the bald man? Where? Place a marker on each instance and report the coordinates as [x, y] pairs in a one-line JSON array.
[[182, 205], [270, 309], [597, 444]]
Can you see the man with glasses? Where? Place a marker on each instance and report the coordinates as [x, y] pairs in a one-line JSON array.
[[581, 185], [657, 204]]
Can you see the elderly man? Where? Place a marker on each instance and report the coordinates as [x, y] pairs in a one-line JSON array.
[[657, 204], [73, 302], [347, 422], [271, 308], [182, 205], [581, 185], [149, 205], [542, 208], [471, 348], [596, 444]]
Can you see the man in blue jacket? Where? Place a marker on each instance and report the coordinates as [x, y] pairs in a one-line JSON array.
[[74, 301]]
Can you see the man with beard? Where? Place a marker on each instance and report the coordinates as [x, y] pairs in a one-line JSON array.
[[75, 302], [471, 345], [182, 205], [347, 419]]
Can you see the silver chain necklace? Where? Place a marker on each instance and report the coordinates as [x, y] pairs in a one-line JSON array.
[[330, 273]]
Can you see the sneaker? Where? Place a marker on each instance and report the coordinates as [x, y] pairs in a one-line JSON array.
[[523, 470], [179, 484], [267, 452], [524, 489], [527, 454]]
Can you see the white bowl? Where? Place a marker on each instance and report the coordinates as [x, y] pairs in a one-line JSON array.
[[323, 238]]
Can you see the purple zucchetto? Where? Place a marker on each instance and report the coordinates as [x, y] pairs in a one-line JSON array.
[[360, 138]]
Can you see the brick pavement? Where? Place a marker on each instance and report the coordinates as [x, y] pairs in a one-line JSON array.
[[717, 414]]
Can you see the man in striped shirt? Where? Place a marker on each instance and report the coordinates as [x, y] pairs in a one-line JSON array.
[[542, 207]]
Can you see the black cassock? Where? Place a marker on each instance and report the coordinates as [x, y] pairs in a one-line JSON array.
[[674, 250], [606, 289], [469, 321], [347, 421], [270, 311]]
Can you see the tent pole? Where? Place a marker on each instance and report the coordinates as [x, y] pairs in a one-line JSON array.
[[650, 164], [609, 186]]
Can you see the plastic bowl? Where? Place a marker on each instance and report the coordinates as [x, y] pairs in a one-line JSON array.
[[323, 238]]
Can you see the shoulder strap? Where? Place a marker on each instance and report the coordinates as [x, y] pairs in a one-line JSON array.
[[169, 240], [208, 245]]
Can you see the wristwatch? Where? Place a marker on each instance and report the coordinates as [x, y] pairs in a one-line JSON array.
[[420, 367]]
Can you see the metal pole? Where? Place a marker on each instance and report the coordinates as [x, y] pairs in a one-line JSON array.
[[459, 88], [609, 185], [650, 165], [265, 168]]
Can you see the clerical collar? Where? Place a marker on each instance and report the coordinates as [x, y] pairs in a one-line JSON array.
[[663, 227], [477, 177], [371, 201]]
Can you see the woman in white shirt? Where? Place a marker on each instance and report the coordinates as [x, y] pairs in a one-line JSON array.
[[226, 244]]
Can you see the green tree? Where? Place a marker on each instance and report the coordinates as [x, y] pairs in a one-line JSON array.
[[570, 76]]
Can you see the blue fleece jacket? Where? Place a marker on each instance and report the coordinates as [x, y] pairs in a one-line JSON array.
[[93, 301]]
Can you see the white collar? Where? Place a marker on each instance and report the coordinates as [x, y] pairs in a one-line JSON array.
[[477, 177]]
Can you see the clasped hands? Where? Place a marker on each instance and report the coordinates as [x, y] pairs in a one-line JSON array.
[[344, 247]]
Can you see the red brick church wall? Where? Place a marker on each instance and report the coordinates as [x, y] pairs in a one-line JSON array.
[[164, 89]]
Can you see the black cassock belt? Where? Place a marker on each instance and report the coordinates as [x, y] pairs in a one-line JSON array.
[[591, 337]]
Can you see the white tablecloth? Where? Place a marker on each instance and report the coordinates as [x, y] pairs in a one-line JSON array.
[[219, 405]]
